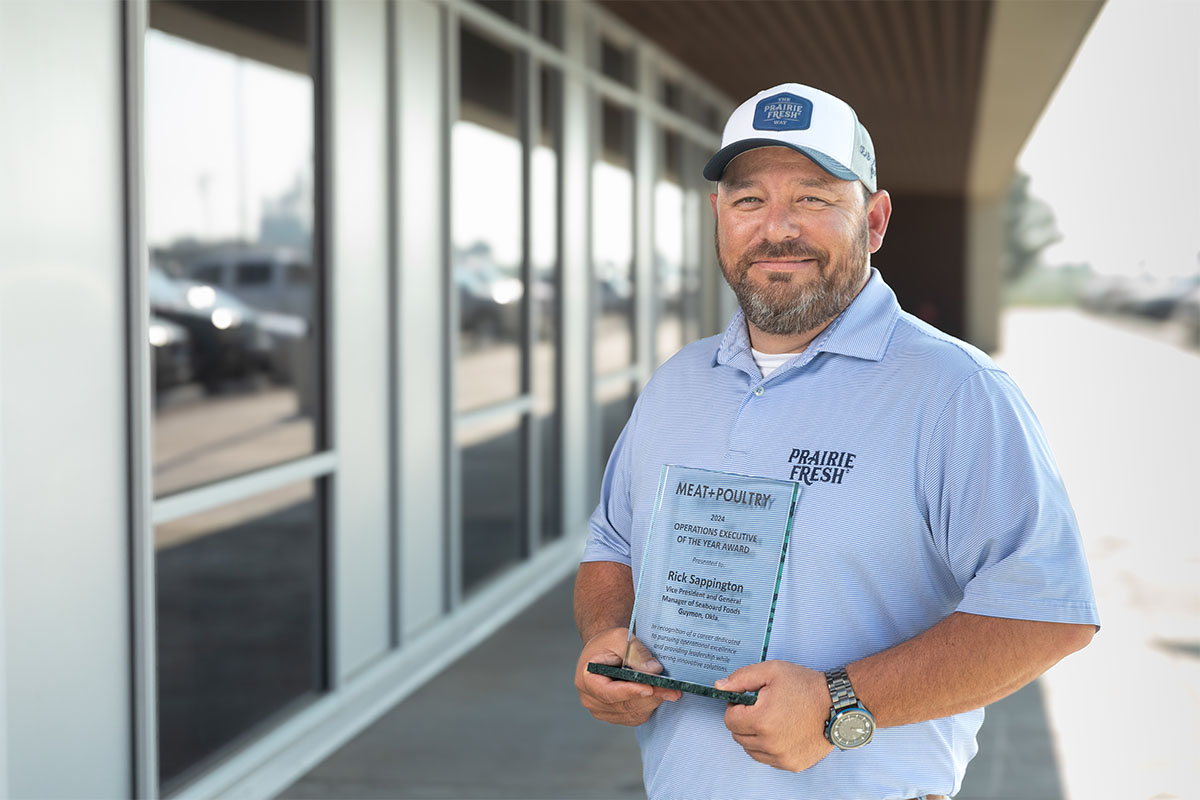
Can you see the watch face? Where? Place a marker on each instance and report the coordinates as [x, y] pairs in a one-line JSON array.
[[852, 728]]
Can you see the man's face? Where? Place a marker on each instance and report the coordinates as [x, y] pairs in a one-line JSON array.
[[792, 240]]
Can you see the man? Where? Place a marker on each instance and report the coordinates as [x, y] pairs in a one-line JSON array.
[[935, 565]]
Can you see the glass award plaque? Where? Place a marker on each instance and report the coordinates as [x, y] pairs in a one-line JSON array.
[[709, 578]]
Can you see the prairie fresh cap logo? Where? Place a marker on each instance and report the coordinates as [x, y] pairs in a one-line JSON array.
[[783, 112]]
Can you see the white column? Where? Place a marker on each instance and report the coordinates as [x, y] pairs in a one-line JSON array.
[[578, 446], [423, 439], [65, 443], [361, 353]]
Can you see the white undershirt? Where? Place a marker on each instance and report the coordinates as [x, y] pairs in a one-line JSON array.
[[769, 362]]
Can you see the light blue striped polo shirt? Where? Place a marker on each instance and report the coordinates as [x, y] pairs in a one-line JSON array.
[[927, 487]]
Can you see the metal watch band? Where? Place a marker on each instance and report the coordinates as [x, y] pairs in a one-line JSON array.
[[840, 690]]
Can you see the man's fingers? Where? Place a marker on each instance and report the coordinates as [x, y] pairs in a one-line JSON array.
[[611, 659], [609, 691], [641, 659], [741, 721], [747, 679]]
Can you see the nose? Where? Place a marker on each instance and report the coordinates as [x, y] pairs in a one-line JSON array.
[[780, 222]]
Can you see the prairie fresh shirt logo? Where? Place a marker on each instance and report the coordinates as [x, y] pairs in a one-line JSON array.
[[783, 112], [820, 466]]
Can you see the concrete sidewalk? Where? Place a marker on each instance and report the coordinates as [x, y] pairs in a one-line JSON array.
[[1122, 411], [505, 722]]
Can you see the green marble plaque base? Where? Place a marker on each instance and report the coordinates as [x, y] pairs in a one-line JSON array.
[[623, 674]]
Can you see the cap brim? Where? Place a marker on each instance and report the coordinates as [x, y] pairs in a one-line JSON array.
[[716, 165]]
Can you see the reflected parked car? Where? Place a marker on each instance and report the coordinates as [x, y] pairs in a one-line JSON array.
[[278, 279], [489, 299], [1157, 299], [171, 353], [227, 341], [1186, 315]]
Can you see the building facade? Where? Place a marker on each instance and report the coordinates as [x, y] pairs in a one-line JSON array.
[[318, 321]]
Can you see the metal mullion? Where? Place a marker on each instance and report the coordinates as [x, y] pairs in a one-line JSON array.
[[319, 50], [604, 21], [522, 404], [451, 25], [143, 623], [192, 501], [645, 170], [626, 375], [510, 33], [394, 376], [532, 439], [513, 35]]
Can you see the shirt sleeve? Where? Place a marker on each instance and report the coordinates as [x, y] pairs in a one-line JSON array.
[[998, 509], [611, 522]]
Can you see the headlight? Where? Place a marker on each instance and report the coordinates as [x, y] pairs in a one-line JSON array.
[[507, 290], [201, 296], [159, 335], [225, 318]]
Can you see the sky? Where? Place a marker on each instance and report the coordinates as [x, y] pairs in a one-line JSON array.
[[197, 164], [1115, 153]]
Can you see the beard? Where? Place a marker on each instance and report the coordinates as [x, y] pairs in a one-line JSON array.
[[787, 304]]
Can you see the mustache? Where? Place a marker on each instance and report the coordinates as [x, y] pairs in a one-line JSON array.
[[787, 249]]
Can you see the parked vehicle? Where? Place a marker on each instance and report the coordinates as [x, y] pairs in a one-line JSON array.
[[1186, 316], [278, 279], [171, 353], [1157, 299], [226, 339]]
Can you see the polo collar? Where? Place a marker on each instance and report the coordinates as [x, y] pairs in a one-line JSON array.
[[862, 330]]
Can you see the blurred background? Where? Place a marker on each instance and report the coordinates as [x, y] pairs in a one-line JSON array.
[[319, 319]]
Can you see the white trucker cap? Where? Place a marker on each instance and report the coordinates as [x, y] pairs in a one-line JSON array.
[[808, 121]]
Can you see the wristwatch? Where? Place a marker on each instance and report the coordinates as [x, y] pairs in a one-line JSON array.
[[850, 726]]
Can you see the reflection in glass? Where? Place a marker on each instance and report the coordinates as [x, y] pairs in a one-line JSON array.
[[616, 62], [239, 612], [551, 21], [493, 462], [515, 10], [544, 257], [668, 246], [614, 403], [612, 240], [670, 93], [229, 213], [486, 231]]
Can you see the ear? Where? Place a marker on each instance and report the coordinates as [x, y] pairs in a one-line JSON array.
[[879, 211], [712, 198]]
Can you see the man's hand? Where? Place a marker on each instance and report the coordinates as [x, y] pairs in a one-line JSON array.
[[618, 702], [785, 727]]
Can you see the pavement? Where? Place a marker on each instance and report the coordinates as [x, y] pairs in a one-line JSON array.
[[1119, 720]]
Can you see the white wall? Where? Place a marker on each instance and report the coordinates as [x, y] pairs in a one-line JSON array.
[[63, 430], [361, 354]]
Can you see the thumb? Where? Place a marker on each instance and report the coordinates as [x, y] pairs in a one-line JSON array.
[[750, 678], [640, 657]]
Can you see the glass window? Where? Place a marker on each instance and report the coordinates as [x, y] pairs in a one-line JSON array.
[[253, 274], [612, 240], [486, 223], [207, 273], [230, 182], [668, 246], [239, 609], [299, 274], [544, 198], [551, 21], [617, 61], [671, 94], [515, 10], [615, 403], [493, 492]]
